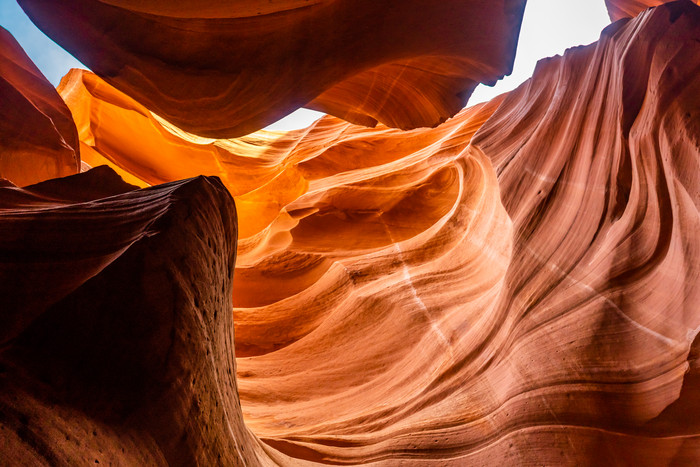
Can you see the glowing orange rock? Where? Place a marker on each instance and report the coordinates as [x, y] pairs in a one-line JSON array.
[[225, 69], [264, 171], [38, 139], [575, 346]]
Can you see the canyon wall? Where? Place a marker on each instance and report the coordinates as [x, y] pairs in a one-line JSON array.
[[517, 286], [619, 9]]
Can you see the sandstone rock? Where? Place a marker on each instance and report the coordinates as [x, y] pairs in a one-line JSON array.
[[597, 160], [618, 9], [38, 140], [446, 312], [518, 286], [125, 356], [264, 171], [229, 68]]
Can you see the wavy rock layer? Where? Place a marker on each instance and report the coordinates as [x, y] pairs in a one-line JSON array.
[[126, 357], [526, 298], [599, 174], [231, 68], [516, 287], [618, 9], [38, 139], [265, 171], [576, 345]]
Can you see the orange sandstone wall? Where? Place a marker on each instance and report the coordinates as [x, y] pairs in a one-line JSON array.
[[517, 286], [562, 334], [523, 296]]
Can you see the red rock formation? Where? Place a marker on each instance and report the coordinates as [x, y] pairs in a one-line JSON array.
[[618, 9], [229, 68], [525, 294], [599, 174], [576, 347], [445, 312], [38, 139], [126, 355]]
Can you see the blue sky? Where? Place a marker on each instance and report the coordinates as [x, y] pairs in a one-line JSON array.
[[51, 59], [549, 27]]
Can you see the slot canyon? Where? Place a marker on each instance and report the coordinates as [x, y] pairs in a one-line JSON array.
[[411, 280]]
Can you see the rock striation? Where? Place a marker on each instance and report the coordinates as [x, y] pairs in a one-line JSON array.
[[229, 68], [597, 160], [517, 286], [38, 139], [526, 292], [264, 171]]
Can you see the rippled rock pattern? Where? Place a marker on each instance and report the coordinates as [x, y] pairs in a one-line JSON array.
[[598, 160], [224, 69], [530, 295], [517, 286], [38, 140]]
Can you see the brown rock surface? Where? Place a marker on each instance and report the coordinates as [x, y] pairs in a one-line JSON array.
[[126, 356], [618, 9], [225, 69], [38, 140]]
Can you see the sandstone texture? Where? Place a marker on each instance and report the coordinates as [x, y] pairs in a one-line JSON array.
[[517, 286], [38, 139], [125, 356], [224, 69]]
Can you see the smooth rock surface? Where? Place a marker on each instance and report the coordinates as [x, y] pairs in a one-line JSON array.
[[525, 296], [518, 286], [225, 69]]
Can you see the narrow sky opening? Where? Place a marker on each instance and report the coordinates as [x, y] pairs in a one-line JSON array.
[[549, 27], [49, 57]]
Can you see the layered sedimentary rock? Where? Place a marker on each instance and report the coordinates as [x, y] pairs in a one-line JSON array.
[[517, 286], [618, 9], [576, 345], [38, 139], [527, 295], [597, 160], [265, 171], [228, 68]]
